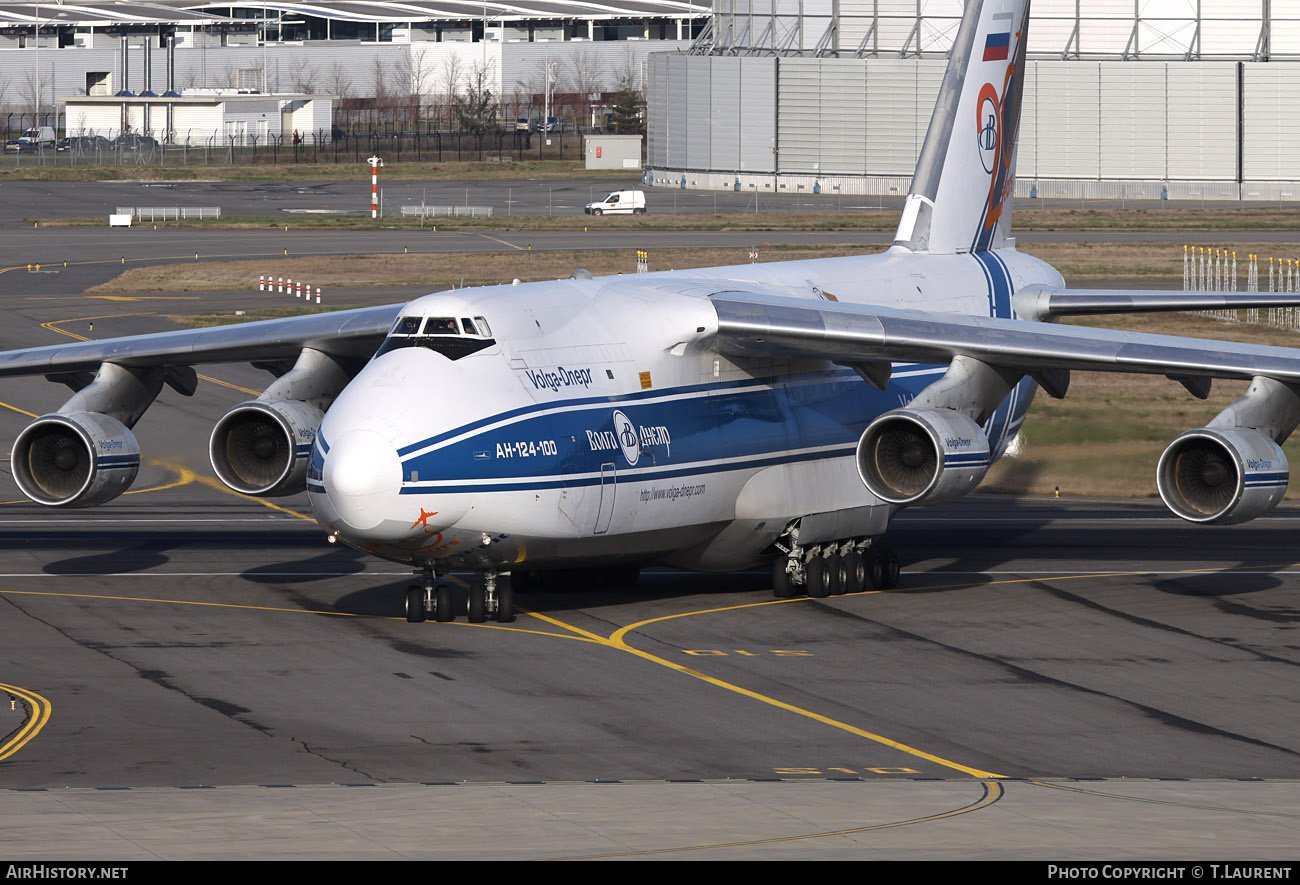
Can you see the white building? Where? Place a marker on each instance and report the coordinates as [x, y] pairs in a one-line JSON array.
[[204, 117], [414, 51]]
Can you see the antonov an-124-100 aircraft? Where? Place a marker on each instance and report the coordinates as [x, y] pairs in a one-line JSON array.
[[718, 419]]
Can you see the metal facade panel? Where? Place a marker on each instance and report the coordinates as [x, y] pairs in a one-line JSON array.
[[725, 131], [698, 100], [758, 114], [1068, 117], [1270, 128], [1027, 142], [842, 130], [675, 137], [799, 114], [1202, 115], [657, 109], [892, 147], [1133, 123]]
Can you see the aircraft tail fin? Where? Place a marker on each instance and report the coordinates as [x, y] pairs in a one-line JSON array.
[[960, 199]]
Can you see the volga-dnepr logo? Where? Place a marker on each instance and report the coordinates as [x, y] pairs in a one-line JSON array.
[[628, 439], [631, 439], [988, 132]]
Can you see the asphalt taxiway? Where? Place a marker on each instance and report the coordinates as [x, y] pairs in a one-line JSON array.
[[198, 674]]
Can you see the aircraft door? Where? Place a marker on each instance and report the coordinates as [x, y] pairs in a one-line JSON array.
[[608, 485]]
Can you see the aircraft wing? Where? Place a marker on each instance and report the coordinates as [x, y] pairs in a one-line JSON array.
[[347, 333], [760, 324]]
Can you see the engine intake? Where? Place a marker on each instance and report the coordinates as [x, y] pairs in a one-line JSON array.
[[1222, 476], [262, 448], [75, 460], [923, 456]]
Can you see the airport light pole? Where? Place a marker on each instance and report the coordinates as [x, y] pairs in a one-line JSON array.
[[39, 86]]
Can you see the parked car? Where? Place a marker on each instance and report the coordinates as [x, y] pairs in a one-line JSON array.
[[624, 202], [522, 124], [17, 145], [86, 144], [134, 143]]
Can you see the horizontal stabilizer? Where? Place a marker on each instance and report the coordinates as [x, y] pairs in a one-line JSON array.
[[1039, 303]]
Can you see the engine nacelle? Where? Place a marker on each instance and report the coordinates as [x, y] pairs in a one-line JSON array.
[[262, 448], [1222, 476], [922, 456], [78, 459]]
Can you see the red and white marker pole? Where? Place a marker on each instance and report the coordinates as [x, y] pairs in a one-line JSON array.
[[375, 163]]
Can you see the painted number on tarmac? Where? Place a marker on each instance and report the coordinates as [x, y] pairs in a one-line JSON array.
[[720, 653], [833, 772]]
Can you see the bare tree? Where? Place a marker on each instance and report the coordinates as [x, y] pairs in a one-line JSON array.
[[338, 80], [449, 84], [380, 87], [416, 73], [583, 75], [29, 90], [302, 75]]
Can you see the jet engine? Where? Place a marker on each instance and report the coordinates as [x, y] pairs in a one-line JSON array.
[[262, 448], [922, 456], [1213, 475], [77, 459]]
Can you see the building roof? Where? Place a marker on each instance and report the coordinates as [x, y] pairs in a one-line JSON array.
[[106, 13], [461, 10], [102, 14]]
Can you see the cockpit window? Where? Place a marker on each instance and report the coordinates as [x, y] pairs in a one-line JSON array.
[[441, 334], [440, 326], [406, 326]]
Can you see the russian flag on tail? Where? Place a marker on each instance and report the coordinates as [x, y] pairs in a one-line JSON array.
[[998, 43]]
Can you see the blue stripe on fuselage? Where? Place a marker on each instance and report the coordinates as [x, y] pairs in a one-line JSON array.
[[692, 429]]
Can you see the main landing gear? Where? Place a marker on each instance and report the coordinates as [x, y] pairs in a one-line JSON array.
[[835, 568], [487, 600]]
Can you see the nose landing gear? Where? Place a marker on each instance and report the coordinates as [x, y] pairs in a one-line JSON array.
[[433, 596]]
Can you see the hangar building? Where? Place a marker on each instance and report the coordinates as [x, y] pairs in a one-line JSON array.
[[1144, 99]]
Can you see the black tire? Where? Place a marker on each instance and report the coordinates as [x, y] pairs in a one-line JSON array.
[[477, 605], [782, 586], [638, 212], [505, 603], [875, 570], [415, 612], [596, 212], [442, 610], [838, 574], [890, 568], [855, 566], [818, 583]]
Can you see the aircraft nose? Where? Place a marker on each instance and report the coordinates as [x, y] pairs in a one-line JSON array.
[[361, 474]]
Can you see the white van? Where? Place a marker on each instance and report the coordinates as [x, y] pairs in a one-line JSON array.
[[42, 136], [626, 202]]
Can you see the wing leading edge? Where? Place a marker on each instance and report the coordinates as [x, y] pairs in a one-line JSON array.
[[758, 324], [345, 334]]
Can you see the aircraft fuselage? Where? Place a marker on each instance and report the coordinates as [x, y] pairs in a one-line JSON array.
[[584, 428]]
